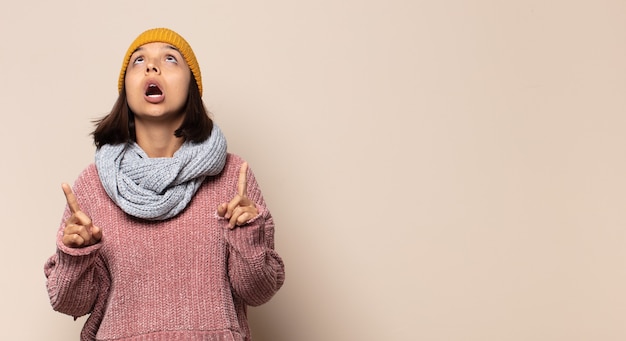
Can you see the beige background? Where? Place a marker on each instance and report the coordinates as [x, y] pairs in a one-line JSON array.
[[438, 170]]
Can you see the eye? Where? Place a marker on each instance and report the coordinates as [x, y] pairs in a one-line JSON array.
[[171, 59], [138, 60]]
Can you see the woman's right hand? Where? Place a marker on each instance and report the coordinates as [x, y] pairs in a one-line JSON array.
[[79, 230]]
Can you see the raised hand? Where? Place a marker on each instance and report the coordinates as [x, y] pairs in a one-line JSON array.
[[240, 209], [79, 230]]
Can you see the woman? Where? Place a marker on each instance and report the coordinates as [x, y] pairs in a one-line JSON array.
[[167, 235]]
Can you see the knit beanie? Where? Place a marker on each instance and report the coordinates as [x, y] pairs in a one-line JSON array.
[[163, 35]]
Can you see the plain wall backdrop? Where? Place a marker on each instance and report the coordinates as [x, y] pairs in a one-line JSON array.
[[438, 170]]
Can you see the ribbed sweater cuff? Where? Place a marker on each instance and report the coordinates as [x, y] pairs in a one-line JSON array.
[[249, 240]]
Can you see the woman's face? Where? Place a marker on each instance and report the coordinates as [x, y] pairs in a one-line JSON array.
[[157, 82]]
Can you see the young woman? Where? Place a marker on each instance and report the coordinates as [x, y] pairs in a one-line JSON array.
[[167, 235]]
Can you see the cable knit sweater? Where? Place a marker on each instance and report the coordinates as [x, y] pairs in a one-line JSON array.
[[186, 278]]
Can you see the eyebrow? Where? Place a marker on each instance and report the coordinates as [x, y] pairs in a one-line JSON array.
[[172, 47]]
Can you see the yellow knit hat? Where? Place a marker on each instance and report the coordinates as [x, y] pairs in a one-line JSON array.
[[163, 35]]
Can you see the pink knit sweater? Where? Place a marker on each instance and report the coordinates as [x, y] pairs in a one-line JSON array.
[[186, 278]]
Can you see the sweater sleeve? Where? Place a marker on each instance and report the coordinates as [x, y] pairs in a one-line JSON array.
[[72, 276], [255, 269], [75, 277]]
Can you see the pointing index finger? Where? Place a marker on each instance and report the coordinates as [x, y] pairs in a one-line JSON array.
[[70, 198], [242, 185]]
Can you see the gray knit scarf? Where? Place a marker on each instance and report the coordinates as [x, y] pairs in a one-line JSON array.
[[158, 188]]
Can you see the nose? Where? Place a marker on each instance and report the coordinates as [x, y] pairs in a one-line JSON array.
[[152, 67]]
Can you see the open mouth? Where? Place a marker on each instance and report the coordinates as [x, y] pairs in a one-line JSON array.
[[153, 91]]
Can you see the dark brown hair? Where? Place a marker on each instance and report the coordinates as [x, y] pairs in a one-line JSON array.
[[119, 125]]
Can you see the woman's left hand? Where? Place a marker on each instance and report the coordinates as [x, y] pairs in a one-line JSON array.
[[240, 209]]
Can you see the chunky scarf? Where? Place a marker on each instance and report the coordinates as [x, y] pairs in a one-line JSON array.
[[158, 188]]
